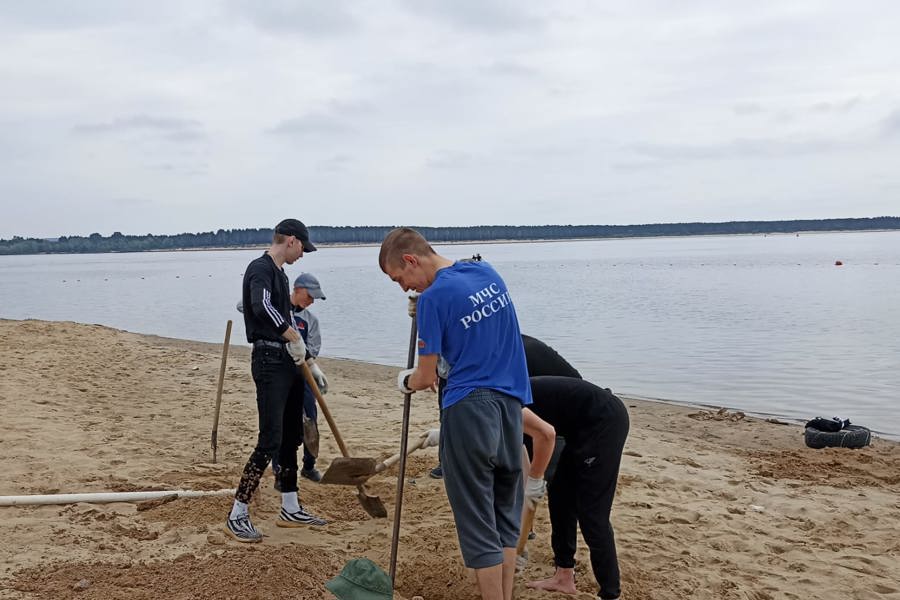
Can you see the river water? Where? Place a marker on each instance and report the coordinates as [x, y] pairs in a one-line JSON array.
[[765, 324]]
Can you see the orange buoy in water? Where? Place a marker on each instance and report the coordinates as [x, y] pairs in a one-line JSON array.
[[838, 263]]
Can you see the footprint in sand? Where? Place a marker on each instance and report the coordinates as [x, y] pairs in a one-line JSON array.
[[759, 596], [686, 518]]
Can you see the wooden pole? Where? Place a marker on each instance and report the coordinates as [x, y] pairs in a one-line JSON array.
[[214, 441]]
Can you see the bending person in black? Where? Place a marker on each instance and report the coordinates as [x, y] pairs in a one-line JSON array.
[[544, 360], [594, 423]]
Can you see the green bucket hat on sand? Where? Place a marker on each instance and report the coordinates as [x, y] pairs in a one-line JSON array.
[[361, 579]]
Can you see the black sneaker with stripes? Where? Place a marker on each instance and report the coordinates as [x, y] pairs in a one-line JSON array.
[[243, 530], [298, 518]]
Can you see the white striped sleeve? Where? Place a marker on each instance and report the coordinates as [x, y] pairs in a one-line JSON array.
[[273, 314]]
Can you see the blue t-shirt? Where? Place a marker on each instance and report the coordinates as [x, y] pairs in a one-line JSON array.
[[467, 316]]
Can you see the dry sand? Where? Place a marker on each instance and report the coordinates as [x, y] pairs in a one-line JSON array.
[[710, 505]]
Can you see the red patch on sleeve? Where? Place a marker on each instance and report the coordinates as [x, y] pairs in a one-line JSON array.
[[422, 344]]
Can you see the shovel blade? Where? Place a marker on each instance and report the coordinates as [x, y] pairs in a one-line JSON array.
[[349, 471], [372, 504]]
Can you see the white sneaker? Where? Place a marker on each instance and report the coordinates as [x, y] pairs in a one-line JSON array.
[[243, 530], [298, 518]]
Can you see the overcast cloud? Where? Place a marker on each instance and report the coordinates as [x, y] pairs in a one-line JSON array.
[[191, 116]]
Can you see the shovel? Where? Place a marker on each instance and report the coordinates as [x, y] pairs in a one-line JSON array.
[[398, 506], [371, 504], [401, 456], [527, 524], [528, 514], [354, 471]]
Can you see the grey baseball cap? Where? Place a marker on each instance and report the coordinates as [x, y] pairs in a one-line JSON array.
[[309, 281]]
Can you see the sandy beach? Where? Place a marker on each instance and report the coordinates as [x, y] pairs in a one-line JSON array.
[[711, 504]]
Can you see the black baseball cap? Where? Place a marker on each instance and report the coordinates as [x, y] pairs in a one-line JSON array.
[[298, 230]]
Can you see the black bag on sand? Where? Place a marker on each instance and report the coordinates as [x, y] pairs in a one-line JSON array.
[[823, 424], [836, 433]]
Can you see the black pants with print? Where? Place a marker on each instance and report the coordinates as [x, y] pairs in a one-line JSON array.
[[582, 492], [279, 408]]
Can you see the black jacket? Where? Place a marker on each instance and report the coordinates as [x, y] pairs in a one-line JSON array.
[[579, 410], [544, 360], [267, 300]]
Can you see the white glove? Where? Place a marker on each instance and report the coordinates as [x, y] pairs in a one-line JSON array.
[[534, 490], [318, 375], [443, 367], [401, 381], [297, 350], [431, 438], [521, 561], [411, 309]]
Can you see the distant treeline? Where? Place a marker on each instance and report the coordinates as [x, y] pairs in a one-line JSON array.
[[234, 238]]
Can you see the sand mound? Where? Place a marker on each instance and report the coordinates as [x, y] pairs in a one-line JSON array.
[[288, 572]]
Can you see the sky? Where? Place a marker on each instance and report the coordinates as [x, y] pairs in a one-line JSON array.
[[171, 116]]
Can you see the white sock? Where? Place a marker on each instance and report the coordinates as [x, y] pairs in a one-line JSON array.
[[240, 509], [290, 502]]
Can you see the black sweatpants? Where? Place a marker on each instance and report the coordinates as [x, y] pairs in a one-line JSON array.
[[582, 492], [279, 402]]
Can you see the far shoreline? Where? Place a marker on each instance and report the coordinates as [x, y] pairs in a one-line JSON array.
[[340, 246], [550, 241]]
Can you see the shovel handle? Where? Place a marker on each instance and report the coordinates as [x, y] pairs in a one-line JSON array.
[[372, 504], [527, 524], [307, 374], [394, 459], [398, 506]]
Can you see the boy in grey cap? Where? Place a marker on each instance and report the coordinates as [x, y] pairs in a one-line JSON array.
[[306, 291]]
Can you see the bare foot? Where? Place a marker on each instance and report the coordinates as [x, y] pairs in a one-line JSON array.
[[562, 581]]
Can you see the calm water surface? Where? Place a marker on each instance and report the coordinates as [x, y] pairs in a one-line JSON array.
[[766, 324]]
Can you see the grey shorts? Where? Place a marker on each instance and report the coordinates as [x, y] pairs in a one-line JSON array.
[[481, 455]]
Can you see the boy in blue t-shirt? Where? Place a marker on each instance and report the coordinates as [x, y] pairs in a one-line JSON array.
[[465, 314]]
